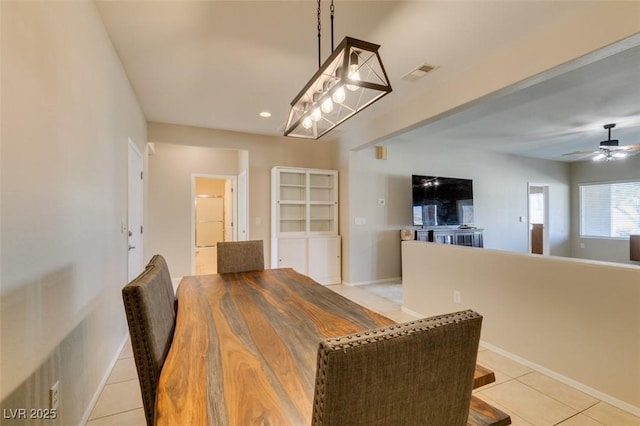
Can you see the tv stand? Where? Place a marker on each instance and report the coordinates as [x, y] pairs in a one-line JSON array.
[[470, 237]]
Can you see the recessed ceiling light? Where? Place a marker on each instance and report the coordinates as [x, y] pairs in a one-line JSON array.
[[265, 114]]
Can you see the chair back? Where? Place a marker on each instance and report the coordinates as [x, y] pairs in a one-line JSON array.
[[149, 304], [416, 373], [240, 256]]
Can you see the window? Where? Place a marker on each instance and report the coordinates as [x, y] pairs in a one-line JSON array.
[[610, 210]]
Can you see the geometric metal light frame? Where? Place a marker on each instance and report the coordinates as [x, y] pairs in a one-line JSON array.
[[350, 80]]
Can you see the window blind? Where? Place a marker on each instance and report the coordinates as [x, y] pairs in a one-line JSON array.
[[610, 210]]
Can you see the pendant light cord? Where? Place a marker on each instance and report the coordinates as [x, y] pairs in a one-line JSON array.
[[319, 32], [331, 25], [319, 27]]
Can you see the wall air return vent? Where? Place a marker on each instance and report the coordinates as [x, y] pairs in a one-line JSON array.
[[418, 73]]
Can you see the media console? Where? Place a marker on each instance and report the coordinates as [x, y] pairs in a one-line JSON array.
[[471, 237]]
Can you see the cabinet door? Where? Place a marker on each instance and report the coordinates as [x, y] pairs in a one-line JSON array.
[[443, 237], [292, 253], [291, 202], [323, 202], [465, 239], [324, 260]]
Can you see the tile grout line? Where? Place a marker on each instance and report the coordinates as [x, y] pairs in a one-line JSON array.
[[113, 414], [577, 411]]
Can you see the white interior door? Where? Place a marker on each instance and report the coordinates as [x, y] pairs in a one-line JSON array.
[[134, 208], [243, 207], [229, 225]]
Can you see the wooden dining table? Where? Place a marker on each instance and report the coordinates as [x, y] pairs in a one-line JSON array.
[[245, 345]]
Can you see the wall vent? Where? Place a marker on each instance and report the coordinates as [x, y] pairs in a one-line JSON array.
[[418, 73]]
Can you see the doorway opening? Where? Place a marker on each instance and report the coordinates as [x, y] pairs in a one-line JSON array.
[[538, 219], [214, 219]]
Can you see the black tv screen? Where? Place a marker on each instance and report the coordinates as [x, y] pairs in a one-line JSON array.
[[442, 201]]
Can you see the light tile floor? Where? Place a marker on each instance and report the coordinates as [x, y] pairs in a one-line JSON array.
[[530, 397]]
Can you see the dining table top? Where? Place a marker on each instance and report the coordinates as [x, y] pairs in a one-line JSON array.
[[245, 345], [244, 349]]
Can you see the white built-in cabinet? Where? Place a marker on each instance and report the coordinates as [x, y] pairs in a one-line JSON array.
[[304, 222]]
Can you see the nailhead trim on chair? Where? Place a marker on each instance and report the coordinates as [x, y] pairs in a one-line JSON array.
[[141, 336], [344, 343], [142, 350]]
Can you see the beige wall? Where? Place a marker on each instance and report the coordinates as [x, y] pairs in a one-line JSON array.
[[573, 318], [67, 113], [206, 186], [169, 232]]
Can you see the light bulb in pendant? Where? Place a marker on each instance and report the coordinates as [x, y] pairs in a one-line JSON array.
[[339, 95], [327, 106], [354, 74], [316, 115], [307, 123], [620, 154]]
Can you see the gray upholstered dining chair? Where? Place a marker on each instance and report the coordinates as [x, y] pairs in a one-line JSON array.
[[149, 304], [415, 373], [240, 256]]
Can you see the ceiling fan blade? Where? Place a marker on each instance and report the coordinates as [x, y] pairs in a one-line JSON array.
[[580, 153]]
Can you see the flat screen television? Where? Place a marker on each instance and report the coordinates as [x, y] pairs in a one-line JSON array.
[[442, 201]]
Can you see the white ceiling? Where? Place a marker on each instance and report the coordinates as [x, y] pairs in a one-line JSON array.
[[217, 64]]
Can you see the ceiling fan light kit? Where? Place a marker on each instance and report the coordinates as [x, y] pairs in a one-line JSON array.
[[610, 149], [351, 79]]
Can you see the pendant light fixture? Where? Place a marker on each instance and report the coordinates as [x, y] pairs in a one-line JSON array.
[[351, 79]]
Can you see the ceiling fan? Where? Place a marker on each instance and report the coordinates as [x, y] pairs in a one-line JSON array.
[[609, 149]]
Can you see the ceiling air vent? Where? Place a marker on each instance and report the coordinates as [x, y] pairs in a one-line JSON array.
[[418, 73]]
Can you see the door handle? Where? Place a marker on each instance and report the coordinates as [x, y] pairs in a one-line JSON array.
[[131, 247]]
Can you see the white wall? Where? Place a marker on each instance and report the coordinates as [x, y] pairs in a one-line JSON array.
[[264, 152], [170, 200], [67, 113], [500, 198], [574, 319], [613, 250]]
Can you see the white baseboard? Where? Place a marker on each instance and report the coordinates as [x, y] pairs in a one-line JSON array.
[[557, 376], [103, 382], [175, 282], [566, 380], [410, 312], [383, 281]]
